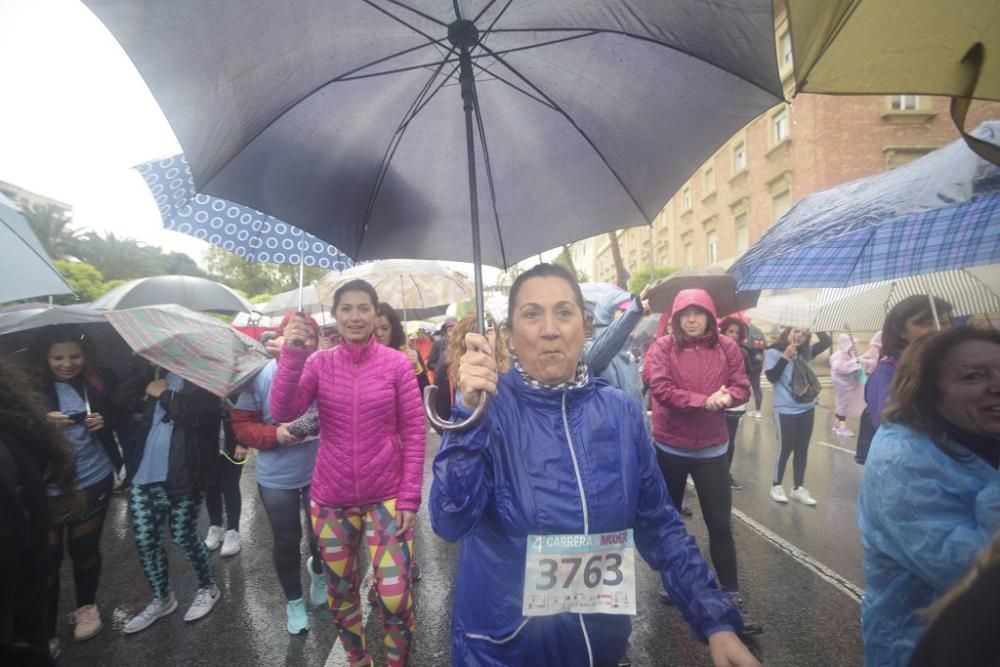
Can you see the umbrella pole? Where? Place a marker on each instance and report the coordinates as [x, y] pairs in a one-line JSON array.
[[464, 35], [302, 271], [934, 312]]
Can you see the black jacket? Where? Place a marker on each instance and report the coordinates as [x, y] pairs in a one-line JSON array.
[[101, 389], [194, 445]]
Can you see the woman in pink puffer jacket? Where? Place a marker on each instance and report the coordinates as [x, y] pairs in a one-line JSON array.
[[369, 468]]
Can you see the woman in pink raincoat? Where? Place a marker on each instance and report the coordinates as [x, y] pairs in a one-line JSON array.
[[848, 377]]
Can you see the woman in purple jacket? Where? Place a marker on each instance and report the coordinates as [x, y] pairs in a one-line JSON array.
[[366, 486]]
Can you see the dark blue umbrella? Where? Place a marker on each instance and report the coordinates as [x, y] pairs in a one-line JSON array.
[[937, 213], [579, 117]]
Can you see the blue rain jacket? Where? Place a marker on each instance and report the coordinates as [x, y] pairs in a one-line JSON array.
[[923, 516], [607, 352], [555, 462]]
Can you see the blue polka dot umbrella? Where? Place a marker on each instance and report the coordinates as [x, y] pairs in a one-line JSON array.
[[243, 231]]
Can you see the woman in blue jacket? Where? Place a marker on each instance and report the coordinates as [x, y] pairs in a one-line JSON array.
[[560, 465], [930, 498]]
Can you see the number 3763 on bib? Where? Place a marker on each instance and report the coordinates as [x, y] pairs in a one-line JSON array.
[[581, 574]]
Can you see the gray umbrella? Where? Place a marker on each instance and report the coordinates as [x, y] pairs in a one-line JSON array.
[[198, 294], [344, 121], [27, 269]]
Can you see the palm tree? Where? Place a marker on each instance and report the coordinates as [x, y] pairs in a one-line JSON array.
[[49, 222], [120, 258]]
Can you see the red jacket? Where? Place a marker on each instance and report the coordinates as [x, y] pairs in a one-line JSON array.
[[683, 372]]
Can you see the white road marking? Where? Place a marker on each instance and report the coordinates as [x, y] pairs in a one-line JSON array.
[[838, 581], [837, 447]]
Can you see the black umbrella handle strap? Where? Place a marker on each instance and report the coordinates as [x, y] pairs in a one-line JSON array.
[[432, 416]]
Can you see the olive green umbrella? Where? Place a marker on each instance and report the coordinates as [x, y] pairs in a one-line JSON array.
[[884, 47]]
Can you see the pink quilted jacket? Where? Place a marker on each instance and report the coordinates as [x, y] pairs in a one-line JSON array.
[[372, 432]]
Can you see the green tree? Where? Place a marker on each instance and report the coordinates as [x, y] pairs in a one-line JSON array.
[[645, 276], [84, 278], [254, 278], [50, 224]]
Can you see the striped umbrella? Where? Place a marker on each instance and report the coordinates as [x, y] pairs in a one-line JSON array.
[[863, 307], [200, 349], [404, 284]]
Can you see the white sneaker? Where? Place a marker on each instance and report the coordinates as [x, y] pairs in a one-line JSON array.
[[156, 610], [778, 494], [231, 545], [756, 415], [802, 495], [204, 600], [214, 538]]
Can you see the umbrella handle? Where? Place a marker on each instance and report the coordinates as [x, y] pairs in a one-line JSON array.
[[437, 422]]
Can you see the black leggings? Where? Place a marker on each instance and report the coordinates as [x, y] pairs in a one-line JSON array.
[[227, 487], [758, 394], [711, 479], [794, 433], [84, 546], [733, 426], [866, 432], [285, 508]]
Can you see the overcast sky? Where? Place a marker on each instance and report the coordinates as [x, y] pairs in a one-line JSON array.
[[75, 117]]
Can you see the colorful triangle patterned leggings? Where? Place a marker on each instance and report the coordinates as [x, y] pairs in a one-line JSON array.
[[339, 531]]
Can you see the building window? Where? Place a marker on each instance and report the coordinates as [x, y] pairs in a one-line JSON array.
[[713, 247], [779, 127], [785, 49], [739, 157], [709, 181], [904, 102], [780, 203], [689, 255], [686, 199], [742, 233]]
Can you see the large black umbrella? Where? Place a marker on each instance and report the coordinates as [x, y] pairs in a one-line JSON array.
[[191, 292], [341, 117]]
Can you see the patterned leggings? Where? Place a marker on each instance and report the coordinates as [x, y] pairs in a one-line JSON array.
[[152, 510], [339, 531]]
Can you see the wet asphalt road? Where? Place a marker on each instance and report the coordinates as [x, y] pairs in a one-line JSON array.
[[800, 571]]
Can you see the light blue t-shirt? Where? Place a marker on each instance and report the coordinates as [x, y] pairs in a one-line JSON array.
[[92, 462], [283, 467], [782, 402], [156, 455], [704, 453]]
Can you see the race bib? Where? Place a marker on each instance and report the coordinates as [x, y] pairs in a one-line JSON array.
[[581, 574]]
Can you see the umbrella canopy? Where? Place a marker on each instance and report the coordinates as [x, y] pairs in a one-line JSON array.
[[404, 284], [719, 285], [938, 213], [27, 269], [243, 231], [785, 310], [188, 291], [893, 46], [863, 307], [286, 301], [588, 116], [200, 349]]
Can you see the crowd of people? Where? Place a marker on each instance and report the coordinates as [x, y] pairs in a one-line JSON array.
[[583, 449]]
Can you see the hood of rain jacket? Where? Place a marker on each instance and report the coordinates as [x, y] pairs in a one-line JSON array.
[[557, 462], [683, 372], [607, 352], [923, 515], [372, 431]]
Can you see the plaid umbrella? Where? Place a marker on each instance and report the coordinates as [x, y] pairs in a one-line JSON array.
[[200, 349], [863, 307], [938, 213]]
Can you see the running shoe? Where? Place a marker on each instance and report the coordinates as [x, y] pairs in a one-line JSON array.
[[204, 601], [802, 495], [415, 573], [778, 494], [665, 598], [317, 586], [86, 621], [298, 620], [686, 511], [231, 544], [733, 484], [213, 540], [756, 415], [156, 610]]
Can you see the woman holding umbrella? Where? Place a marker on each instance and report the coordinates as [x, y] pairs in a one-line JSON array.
[[366, 487], [78, 397], [559, 461]]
